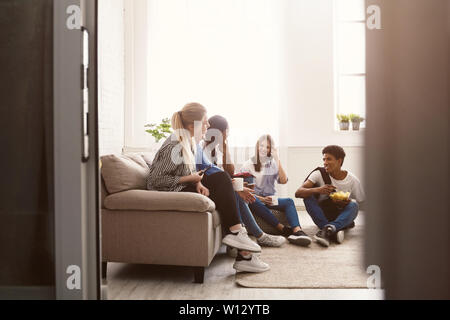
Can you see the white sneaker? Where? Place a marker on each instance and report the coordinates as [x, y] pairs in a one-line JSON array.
[[241, 241], [253, 264], [340, 235], [268, 240]]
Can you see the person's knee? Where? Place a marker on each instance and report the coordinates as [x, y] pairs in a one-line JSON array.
[[354, 206], [290, 202]]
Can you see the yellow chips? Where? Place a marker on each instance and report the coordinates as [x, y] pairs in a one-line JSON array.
[[340, 195]]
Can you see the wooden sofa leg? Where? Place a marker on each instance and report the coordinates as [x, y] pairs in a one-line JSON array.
[[199, 274], [104, 269]]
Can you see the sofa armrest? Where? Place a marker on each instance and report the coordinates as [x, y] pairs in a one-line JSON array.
[[145, 200]]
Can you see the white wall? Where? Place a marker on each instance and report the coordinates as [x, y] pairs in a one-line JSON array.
[[308, 77], [111, 76]]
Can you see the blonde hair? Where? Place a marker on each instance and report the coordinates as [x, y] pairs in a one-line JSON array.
[[190, 113]]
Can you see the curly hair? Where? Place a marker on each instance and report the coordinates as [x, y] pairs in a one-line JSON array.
[[336, 151]]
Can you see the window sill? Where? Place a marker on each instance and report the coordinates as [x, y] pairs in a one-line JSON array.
[[361, 131]]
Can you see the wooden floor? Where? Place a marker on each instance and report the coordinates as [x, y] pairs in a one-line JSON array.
[[147, 282], [150, 282]]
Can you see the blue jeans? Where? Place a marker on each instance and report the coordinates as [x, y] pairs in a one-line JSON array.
[[319, 215], [285, 205], [247, 217]]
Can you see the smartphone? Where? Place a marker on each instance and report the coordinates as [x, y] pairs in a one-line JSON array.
[[202, 172]]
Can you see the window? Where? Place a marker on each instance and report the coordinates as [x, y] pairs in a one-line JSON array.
[[350, 57], [221, 54]]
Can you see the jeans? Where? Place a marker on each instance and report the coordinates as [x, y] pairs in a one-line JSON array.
[[247, 217], [285, 205], [321, 215]]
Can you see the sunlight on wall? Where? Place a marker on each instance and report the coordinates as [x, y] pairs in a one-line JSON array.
[[222, 54]]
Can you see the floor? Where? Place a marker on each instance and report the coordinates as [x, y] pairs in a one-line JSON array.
[[149, 282]]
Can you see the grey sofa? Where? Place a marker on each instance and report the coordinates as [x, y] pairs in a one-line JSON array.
[[150, 227]]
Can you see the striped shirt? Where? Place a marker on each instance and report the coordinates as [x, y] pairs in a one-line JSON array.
[[165, 174]]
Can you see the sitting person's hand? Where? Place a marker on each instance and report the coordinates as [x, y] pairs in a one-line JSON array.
[[266, 200], [202, 189], [326, 189], [247, 195], [341, 204], [196, 177]]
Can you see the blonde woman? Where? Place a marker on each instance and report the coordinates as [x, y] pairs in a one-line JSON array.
[[174, 169]]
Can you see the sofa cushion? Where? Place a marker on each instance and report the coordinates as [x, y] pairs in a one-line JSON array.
[[159, 201], [124, 172]]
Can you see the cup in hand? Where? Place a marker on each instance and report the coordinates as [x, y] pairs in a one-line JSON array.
[[238, 184], [274, 200]]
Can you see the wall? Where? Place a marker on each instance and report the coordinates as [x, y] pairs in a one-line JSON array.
[[111, 76], [308, 77]]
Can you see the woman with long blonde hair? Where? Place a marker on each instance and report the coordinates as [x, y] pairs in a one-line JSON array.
[[175, 169]]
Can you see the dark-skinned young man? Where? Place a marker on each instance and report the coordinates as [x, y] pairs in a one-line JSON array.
[[332, 216]]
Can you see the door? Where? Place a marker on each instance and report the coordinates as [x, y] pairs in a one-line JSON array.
[[77, 264], [49, 237], [407, 148]]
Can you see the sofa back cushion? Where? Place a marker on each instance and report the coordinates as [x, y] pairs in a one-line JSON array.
[[124, 172]]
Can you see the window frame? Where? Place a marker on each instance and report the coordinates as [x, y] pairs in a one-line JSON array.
[[336, 61]]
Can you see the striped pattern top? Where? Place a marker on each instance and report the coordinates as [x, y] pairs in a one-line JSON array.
[[165, 174]]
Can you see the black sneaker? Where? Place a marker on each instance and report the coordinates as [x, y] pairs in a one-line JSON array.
[[300, 238], [286, 232], [323, 236]]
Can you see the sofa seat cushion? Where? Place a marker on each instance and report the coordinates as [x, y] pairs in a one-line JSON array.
[[159, 201]]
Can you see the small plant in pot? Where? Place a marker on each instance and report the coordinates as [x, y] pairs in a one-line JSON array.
[[160, 131], [344, 121], [356, 121]]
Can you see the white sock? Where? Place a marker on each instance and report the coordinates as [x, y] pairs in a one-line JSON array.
[[235, 232], [247, 256]]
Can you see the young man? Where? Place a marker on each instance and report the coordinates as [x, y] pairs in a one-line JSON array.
[[331, 216]]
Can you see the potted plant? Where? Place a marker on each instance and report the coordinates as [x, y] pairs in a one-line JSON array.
[[160, 131], [344, 121], [356, 120]]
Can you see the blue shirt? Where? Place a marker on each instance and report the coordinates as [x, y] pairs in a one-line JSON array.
[[202, 162]]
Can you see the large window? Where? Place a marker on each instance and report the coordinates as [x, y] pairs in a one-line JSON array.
[[222, 54], [350, 57]]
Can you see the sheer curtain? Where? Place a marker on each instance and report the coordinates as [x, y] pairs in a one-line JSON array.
[[222, 54]]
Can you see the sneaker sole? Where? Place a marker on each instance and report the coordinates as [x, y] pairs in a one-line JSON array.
[[245, 268], [300, 241], [322, 242], [238, 245]]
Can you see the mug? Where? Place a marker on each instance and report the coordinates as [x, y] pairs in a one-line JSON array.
[[274, 200], [238, 184]]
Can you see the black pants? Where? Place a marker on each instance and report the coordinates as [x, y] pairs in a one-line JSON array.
[[221, 191]]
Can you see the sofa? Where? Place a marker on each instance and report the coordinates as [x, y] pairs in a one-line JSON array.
[[151, 227]]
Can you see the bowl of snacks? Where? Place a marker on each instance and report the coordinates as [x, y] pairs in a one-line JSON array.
[[340, 195]]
